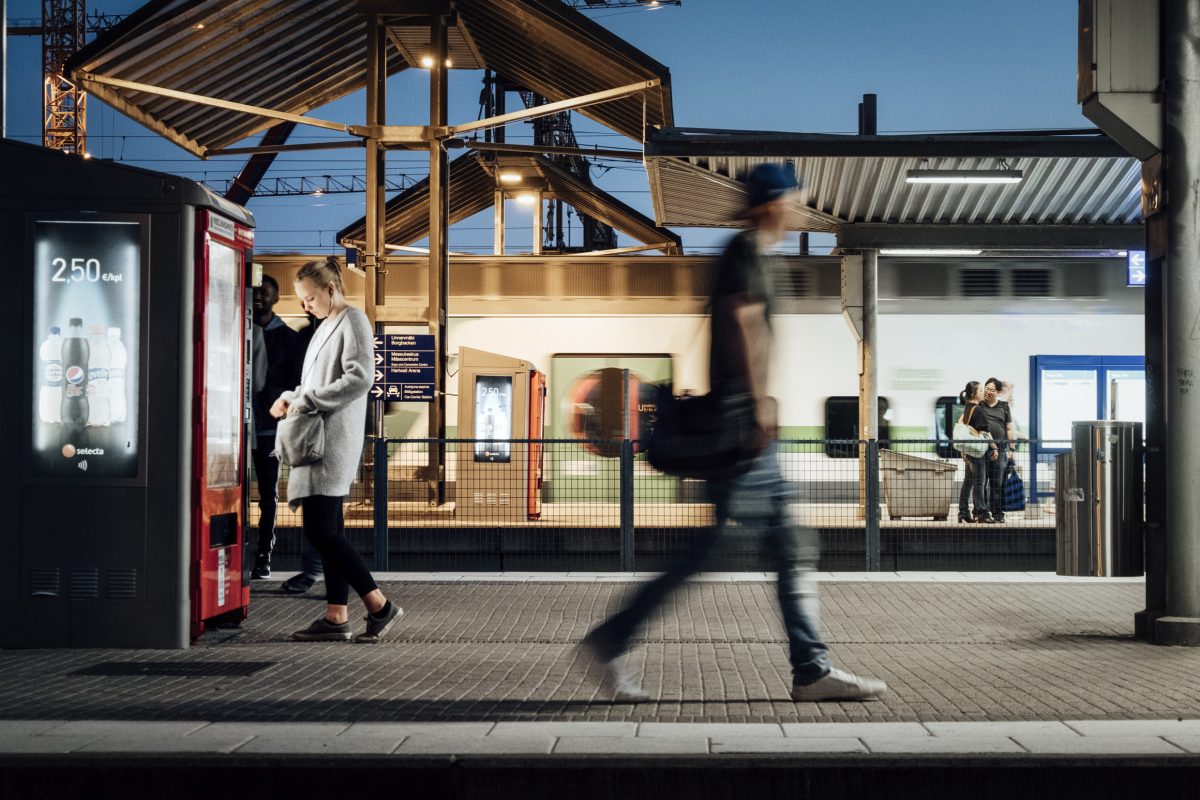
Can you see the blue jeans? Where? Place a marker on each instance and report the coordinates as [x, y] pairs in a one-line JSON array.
[[995, 481], [757, 500]]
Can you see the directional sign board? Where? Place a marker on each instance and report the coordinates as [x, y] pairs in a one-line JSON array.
[[1135, 274], [404, 368]]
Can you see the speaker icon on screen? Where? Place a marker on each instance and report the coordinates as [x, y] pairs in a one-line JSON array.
[[83, 465]]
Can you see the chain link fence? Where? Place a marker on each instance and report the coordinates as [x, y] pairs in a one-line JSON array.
[[572, 505]]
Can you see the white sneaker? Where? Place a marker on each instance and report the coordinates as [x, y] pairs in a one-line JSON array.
[[613, 672], [626, 687], [839, 685]]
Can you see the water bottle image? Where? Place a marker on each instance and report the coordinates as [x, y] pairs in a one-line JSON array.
[[75, 353], [50, 394], [99, 414], [117, 360]]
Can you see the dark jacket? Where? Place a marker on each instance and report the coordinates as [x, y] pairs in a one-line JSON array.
[[283, 373]]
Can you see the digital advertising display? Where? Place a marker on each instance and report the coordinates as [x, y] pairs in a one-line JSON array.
[[86, 318], [493, 418]]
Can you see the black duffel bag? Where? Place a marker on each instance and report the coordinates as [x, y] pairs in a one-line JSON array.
[[709, 437]]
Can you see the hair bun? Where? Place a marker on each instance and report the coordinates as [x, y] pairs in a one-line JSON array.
[[332, 262]]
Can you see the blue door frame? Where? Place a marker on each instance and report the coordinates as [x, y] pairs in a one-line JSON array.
[[1037, 365]]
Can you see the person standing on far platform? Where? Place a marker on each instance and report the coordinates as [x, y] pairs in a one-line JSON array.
[[758, 499], [1000, 426], [334, 383], [281, 375]]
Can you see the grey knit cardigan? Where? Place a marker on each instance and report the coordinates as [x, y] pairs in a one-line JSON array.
[[338, 372]]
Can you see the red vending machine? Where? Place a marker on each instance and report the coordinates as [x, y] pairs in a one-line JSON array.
[[220, 586]]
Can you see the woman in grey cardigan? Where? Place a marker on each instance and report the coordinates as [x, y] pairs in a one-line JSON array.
[[336, 378]]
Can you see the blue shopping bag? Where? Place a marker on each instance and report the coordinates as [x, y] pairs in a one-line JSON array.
[[1014, 489]]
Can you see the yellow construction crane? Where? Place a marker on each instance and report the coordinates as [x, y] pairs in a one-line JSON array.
[[63, 27]]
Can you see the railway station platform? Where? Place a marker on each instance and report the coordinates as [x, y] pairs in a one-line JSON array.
[[1004, 684]]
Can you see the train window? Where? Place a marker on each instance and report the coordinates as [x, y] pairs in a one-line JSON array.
[[946, 412], [841, 422]]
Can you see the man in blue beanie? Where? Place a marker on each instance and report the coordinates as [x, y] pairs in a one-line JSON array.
[[759, 498]]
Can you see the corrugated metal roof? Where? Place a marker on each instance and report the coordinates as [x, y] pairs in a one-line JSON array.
[[691, 196], [559, 53], [297, 55], [472, 187], [1066, 182], [471, 190]]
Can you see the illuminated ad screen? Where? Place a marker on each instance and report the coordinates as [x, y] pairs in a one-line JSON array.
[[85, 337], [493, 418]]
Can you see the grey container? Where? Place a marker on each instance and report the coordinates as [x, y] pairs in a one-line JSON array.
[[1099, 501], [916, 487]]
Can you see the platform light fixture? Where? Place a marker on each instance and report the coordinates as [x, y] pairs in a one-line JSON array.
[[510, 177], [928, 251], [527, 198], [964, 176], [427, 62]]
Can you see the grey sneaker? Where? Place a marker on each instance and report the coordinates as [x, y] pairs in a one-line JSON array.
[[378, 626], [322, 630], [612, 671], [838, 685]]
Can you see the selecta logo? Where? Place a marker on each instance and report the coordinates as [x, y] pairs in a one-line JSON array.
[[75, 375]]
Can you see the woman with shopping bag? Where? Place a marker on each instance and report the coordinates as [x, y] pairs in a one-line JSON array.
[[972, 440]]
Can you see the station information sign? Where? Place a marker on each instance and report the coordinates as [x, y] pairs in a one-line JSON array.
[[86, 338], [404, 368], [1135, 268]]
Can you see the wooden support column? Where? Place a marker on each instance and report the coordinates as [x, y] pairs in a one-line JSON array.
[[439, 259]]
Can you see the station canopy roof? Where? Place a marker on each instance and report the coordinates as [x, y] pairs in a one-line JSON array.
[[473, 179], [1079, 191], [293, 57]]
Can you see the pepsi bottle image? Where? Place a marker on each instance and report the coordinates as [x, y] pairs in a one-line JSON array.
[[75, 355]]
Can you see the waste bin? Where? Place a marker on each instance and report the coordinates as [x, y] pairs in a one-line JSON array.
[[1099, 502], [916, 487]]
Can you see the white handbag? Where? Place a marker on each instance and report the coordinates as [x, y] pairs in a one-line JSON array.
[[970, 442]]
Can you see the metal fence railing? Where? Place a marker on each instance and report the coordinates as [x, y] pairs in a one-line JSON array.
[[597, 505]]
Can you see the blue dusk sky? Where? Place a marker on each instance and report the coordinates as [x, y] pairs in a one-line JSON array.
[[787, 65]]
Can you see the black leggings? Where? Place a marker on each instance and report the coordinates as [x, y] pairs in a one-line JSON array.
[[344, 567]]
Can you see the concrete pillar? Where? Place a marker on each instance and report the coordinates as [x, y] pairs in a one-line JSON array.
[[868, 383], [1181, 293]]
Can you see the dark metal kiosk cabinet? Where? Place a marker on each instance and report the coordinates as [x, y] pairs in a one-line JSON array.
[[124, 336]]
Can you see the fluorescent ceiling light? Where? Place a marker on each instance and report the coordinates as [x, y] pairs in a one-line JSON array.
[[964, 176], [510, 177], [928, 251], [527, 198]]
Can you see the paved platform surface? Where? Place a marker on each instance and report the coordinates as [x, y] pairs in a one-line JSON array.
[[1008, 663]]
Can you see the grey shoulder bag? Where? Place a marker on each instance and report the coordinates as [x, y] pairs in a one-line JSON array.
[[300, 439], [300, 436]]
